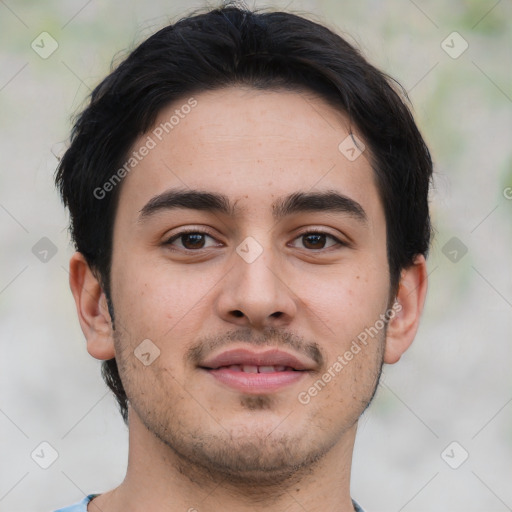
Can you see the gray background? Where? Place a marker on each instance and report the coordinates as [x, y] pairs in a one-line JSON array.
[[454, 384]]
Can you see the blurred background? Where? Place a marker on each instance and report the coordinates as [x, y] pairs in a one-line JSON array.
[[438, 435]]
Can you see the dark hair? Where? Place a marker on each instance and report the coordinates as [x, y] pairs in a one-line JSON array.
[[265, 50]]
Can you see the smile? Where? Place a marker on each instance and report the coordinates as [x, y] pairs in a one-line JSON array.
[[254, 372], [248, 368]]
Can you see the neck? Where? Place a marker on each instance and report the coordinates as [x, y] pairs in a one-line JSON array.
[[158, 478]]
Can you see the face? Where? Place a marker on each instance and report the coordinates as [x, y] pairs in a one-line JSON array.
[[251, 300]]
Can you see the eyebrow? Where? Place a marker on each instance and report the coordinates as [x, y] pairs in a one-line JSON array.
[[298, 202]]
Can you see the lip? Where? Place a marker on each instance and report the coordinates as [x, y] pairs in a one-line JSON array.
[[257, 383], [273, 357]]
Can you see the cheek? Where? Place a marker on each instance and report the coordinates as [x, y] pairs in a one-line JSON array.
[[155, 301], [347, 299], [152, 298], [350, 306]]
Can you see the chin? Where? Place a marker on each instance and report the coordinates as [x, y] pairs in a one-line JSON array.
[[248, 456]]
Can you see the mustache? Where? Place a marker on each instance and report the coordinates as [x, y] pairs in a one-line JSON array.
[[271, 337]]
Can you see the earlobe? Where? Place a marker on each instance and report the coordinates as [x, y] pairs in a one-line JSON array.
[[403, 325], [92, 308]]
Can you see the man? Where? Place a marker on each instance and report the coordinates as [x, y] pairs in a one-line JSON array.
[[248, 201]]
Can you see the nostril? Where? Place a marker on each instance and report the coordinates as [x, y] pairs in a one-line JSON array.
[[238, 313]]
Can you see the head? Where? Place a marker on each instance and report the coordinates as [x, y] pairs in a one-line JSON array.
[[248, 130]]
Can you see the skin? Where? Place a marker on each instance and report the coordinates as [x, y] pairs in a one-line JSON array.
[[195, 443]]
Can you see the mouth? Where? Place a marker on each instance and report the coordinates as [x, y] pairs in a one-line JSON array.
[[257, 372], [250, 368]]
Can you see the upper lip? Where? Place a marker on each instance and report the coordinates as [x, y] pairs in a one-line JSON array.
[[273, 357]]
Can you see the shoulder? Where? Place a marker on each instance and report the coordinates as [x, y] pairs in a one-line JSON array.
[[81, 506]]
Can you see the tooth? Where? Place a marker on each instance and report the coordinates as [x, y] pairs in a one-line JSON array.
[[235, 368], [247, 368], [280, 368], [267, 369]]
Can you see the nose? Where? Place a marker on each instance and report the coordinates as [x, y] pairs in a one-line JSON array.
[[256, 293]]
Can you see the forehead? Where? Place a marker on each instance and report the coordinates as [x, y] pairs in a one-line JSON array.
[[252, 145]]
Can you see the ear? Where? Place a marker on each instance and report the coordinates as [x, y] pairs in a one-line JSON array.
[[91, 305], [402, 327]]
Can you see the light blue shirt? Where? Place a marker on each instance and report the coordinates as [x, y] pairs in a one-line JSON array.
[[81, 506]]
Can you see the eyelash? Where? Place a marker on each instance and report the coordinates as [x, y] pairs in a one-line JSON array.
[[312, 231]]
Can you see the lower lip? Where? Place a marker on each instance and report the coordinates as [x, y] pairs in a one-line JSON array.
[[256, 383]]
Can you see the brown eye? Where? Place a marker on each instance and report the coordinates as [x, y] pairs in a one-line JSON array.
[[314, 240], [318, 240], [190, 240]]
